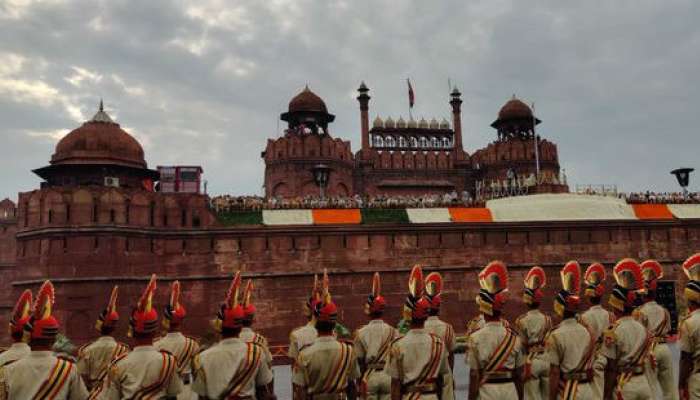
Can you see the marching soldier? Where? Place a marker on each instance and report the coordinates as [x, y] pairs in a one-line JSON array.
[[434, 325], [494, 352], [417, 362], [658, 322], [233, 369], [372, 343], [41, 375], [689, 380], [145, 372], [533, 328], [247, 333], [571, 346], [627, 343], [597, 319], [306, 334], [20, 316], [327, 369], [95, 357], [174, 342]]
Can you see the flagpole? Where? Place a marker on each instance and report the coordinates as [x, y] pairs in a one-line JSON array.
[[537, 147]]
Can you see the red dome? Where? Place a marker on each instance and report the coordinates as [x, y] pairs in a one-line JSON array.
[[99, 141], [307, 101], [514, 108]]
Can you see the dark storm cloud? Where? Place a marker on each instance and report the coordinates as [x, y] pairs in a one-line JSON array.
[[203, 82]]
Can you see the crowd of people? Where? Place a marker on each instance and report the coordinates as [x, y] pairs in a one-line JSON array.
[[595, 352]]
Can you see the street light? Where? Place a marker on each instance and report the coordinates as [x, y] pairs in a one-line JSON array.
[[683, 176], [321, 173]]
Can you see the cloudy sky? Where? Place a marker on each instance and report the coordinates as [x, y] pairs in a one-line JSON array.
[[203, 82]]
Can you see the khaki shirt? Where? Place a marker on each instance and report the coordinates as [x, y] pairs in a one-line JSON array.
[[443, 330], [370, 338], [215, 368], [319, 369], [568, 344], [94, 358], [482, 343], [657, 318], [182, 347], [533, 327], [598, 319], [689, 338], [250, 336], [15, 352], [139, 369], [300, 338], [624, 340], [25, 378]]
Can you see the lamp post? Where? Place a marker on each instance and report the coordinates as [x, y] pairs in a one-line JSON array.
[[321, 173], [683, 177]]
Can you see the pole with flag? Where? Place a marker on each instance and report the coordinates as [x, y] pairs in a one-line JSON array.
[[537, 146], [411, 98]]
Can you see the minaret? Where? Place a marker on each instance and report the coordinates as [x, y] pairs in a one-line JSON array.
[[363, 98], [456, 104]]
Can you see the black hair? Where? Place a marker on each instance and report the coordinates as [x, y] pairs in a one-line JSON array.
[[325, 326]]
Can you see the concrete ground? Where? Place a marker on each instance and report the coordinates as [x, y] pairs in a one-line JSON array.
[[283, 379]]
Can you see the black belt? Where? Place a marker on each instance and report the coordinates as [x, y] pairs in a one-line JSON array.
[[426, 388], [497, 380], [580, 377]]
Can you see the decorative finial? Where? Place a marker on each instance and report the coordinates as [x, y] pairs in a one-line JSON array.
[[455, 91], [363, 87]]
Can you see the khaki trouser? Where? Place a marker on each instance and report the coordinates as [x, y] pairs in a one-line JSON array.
[[537, 387], [378, 386], [498, 391], [664, 373], [599, 365], [636, 388], [584, 391]]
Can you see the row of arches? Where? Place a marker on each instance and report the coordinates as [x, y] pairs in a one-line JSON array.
[[400, 141], [410, 160]]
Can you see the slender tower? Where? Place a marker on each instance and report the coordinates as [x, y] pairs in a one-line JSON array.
[[456, 103], [363, 98]]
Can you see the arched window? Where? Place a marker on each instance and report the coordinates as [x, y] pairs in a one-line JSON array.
[[414, 142], [402, 142], [423, 141], [446, 142], [434, 142], [389, 141], [378, 141]]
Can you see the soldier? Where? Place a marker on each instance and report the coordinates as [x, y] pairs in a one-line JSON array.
[[434, 325], [571, 346], [306, 334], [145, 372], [658, 322], [372, 343], [20, 316], [417, 362], [174, 342], [494, 352], [627, 343], [41, 375], [689, 380], [533, 328], [95, 357], [232, 369], [327, 369], [597, 319], [247, 333]]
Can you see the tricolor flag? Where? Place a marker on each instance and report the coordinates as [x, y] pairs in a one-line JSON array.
[[411, 95]]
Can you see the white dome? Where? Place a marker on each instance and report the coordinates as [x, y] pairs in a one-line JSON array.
[[423, 123], [389, 123], [412, 123], [378, 123], [434, 124], [400, 123]]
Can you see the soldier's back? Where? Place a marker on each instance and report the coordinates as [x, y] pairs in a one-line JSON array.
[[318, 364], [248, 335], [443, 330], [628, 342], [598, 319], [656, 317], [16, 352], [533, 326], [145, 367], [571, 346], [94, 358], [373, 340], [181, 346], [42, 375], [481, 345], [300, 338]]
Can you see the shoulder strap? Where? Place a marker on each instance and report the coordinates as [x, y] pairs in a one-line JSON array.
[[500, 354], [169, 363], [245, 372], [337, 379], [58, 376], [437, 347], [587, 359], [185, 355]]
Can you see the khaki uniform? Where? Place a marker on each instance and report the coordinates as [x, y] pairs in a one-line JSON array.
[[533, 328], [689, 342], [481, 345], [661, 377], [300, 338], [598, 319], [94, 359], [443, 330], [231, 367], [372, 344], [475, 324], [571, 347], [628, 342], [250, 336], [325, 368], [419, 361], [42, 375], [15, 352], [184, 349], [143, 371]]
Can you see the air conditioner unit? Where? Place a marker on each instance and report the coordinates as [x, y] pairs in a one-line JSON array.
[[111, 181]]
